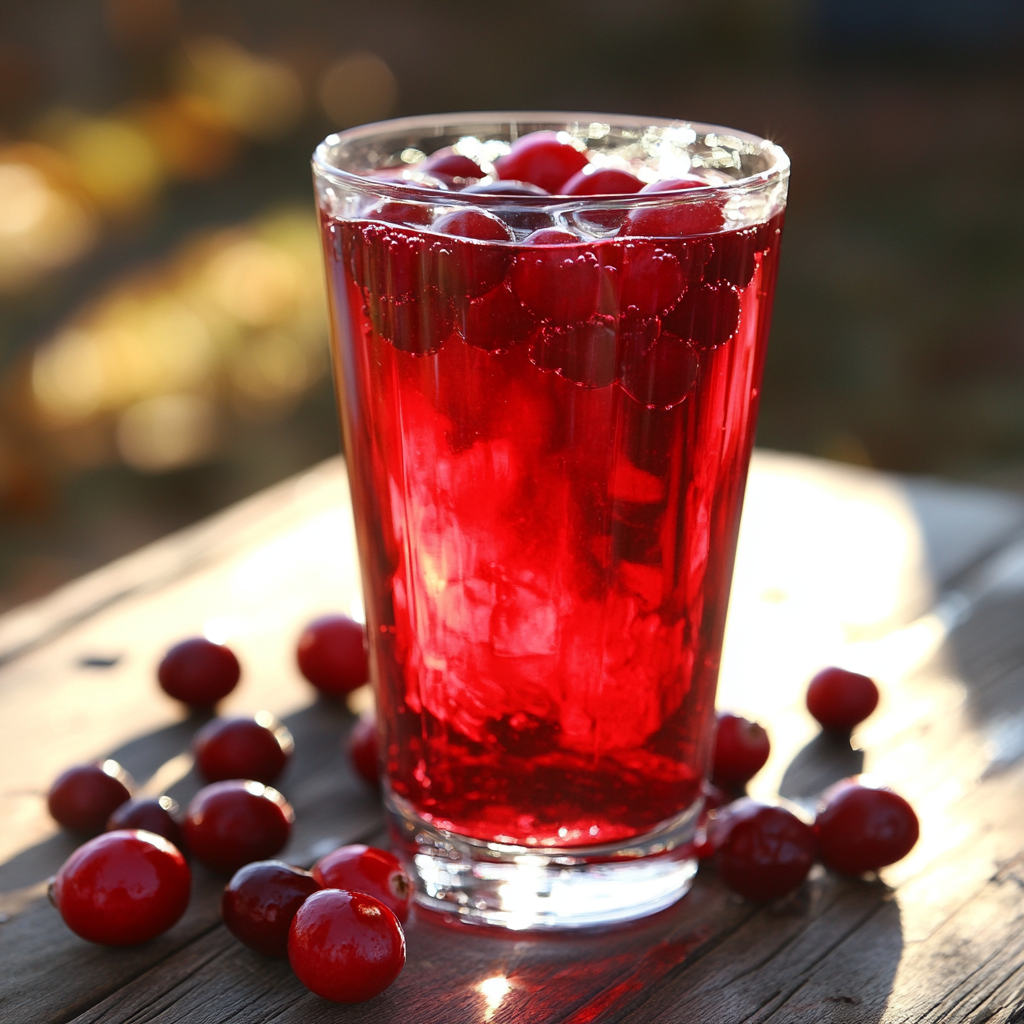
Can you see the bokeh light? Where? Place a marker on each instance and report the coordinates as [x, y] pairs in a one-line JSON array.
[[358, 87]]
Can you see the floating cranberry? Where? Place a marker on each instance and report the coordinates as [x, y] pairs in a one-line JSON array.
[[158, 815], [332, 654], [242, 748], [260, 901], [543, 160], [861, 828], [122, 888], [552, 236], [652, 280], [232, 823], [83, 798], [478, 224], [449, 164], [606, 182], [466, 269], [707, 316], [658, 374], [345, 946], [741, 750], [494, 321], [687, 217], [417, 324], [761, 852], [412, 214], [366, 869], [839, 699], [505, 188], [364, 751], [586, 353], [199, 672], [556, 285]]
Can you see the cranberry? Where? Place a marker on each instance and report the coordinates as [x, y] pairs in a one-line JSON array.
[[652, 280], [506, 188], [741, 750], [242, 748], [232, 823], [658, 374], [390, 262], [419, 324], [198, 672], [761, 852], [400, 213], [366, 869], [687, 217], [861, 828], [449, 164], [83, 797], [122, 888], [675, 184], [364, 751], [586, 353], [332, 654], [557, 286], [552, 236], [707, 316], [541, 159], [345, 946], [156, 815], [467, 270], [495, 320], [839, 699], [478, 224], [260, 901], [606, 182]]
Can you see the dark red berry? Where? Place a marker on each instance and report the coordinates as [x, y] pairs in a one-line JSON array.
[[861, 828], [606, 182], [158, 815], [658, 374], [478, 224], [541, 159], [707, 316], [84, 797], [414, 214], [345, 946], [467, 270], [332, 654], [670, 220], [260, 901], [494, 321], [839, 699], [198, 672], [449, 164], [242, 748], [586, 353], [122, 888], [741, 750], [364, 751], [651, 280], [761, 852], [366, 869], [552, 236], [556, 285], [233, 823]]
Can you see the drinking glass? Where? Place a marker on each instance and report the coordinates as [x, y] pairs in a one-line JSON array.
[[548, 405]]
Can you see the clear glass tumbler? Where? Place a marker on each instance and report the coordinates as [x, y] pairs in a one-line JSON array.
[[548, 401]]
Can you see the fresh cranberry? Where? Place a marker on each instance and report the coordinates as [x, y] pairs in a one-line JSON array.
[[198, 672], [232, 823], [345, 946], [364, 750], [687, 217], [332, 654], [541, 159], [412, 214], [761, 852], [861, 828], [506, 188], [556, 285], [741, 750], [552, 236], [366, 869], [478, 224], [242, 748], [652, 280], [707, 316], [839, 699], [122, 888], [681, 184], [494, 321], [418, 324], [606, 182], [83, 797], [449, 164], [260, 901], [157, 815], [586, 353], [467, 270], [658, 374], [392, 263]]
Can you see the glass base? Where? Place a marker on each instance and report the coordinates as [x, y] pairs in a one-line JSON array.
[[521, 887]]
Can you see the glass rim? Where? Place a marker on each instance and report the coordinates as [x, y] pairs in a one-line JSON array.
[[324, 167]]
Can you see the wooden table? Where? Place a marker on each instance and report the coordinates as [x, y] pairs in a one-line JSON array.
[[920, 583]]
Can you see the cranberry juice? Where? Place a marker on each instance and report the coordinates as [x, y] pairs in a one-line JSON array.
[[547, 442]]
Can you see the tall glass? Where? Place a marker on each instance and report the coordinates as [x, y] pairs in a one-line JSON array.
[[547, 440]]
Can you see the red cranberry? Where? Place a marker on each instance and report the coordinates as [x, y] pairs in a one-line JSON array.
[[83, 797], [478, 224], [417, 324], [541, 159], [332, 654], [242, 748], [606, 182], [466, 270], [658, 374], [557, 286], [585, 353], [366, 869], [687, 181], [741, 750], [862, 828], [494, 321], [839, 699], [232, 823], [363, 750], [260, 901], [552, 236], [157, 815], [687, 217], [198, 672], [122, 888], [416, 214], [450, 164], [707, 316], [761, 852], [345, 946], [652, 280]]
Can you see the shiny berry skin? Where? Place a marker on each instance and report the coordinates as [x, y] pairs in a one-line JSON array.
[[478, 224], [688, 217], [364, 750], [332, 654], [741, 750], [83, 798], [606, 182], [761, 852], [199, 672], [449, 164], [260, 901], [552, 236], [542, 160], [410, 214], [242, 748], [122, 888], [157, 815], [233, 823], [345, 946], [366, 869], [863, 829], [556, 285], [839, 699], [506, 188]]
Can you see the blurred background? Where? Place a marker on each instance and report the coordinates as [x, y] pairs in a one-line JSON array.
[[162, 325]]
